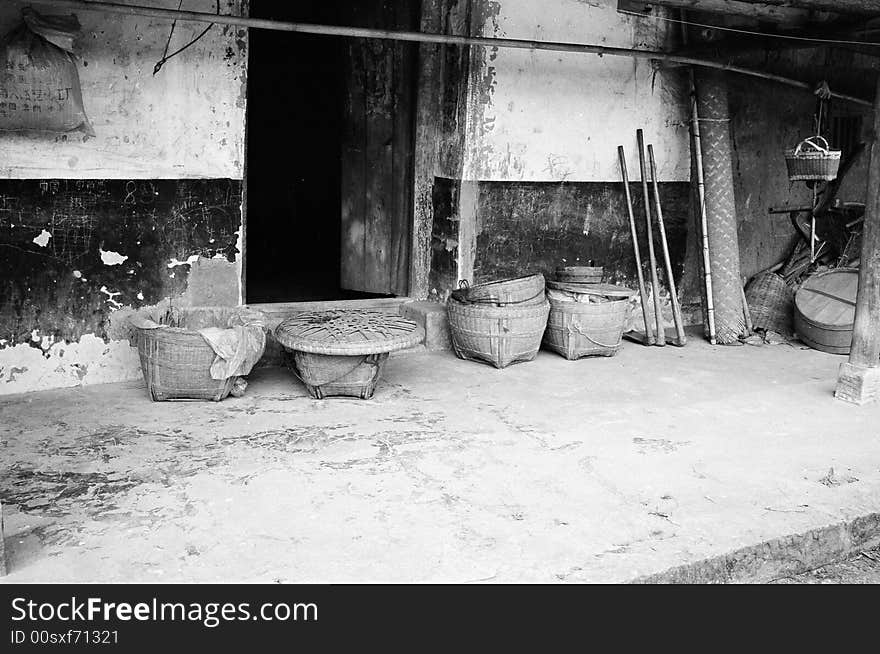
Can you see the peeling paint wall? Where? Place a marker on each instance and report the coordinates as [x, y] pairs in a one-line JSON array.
[[554, 116], [539, 182], [144, 123], [145, 214]]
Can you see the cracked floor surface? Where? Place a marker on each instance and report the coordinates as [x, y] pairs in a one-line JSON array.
[[598, 470]]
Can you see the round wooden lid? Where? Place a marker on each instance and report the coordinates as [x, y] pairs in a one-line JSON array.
[[347, 332], [580, 270], [606, 290], [829, 299]]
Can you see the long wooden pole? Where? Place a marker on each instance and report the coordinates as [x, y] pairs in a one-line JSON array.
[[420, 37], [652, 259], [680, 339], [858, 379], [865, 349], [643, 295]]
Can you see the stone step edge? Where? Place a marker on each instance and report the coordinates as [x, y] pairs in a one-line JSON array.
[[777, 558]]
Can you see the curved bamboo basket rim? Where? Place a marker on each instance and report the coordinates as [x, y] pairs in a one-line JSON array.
[[507, 280], [490, 311], [502, 291], [592, 288], [411, 334]]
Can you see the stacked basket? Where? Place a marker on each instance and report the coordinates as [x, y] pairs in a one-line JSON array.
[[586, 319], [500, 322]]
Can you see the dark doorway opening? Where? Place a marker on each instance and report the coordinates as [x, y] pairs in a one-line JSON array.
[[299, 186]]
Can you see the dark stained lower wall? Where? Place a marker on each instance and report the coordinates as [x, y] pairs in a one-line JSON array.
[[444, 236], [536, 226], [525, 227], [53, 287]]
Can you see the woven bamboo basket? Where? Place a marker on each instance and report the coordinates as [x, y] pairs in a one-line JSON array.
[[528, 290], [176, 364], [586, 329], [325, 375], [580, 274], [812, 159], [771, 303], [499, 336]]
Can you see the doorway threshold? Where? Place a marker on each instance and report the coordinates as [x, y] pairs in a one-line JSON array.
[[284, 309]]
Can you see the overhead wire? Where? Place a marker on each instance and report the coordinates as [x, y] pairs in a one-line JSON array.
[[165, 55]]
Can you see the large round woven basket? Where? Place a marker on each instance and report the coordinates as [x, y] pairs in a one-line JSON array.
[[499, 336], [528, 289], [771, 303], [176, 364], [584, 329]]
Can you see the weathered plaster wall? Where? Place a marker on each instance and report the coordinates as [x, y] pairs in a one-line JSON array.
[[539, 182], [552, 116], [77, 257], [145, 123], [146, 213]]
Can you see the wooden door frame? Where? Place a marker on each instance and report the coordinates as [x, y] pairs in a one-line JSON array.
[[426, 149], [439, 123], [428, 133]]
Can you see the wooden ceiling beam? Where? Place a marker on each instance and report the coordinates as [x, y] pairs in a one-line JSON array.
[[757, 10], [778, 10]]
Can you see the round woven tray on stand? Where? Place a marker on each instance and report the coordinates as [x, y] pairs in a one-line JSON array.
[[342, 352]]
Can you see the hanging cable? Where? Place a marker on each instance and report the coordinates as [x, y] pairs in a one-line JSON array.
[[165, 55]]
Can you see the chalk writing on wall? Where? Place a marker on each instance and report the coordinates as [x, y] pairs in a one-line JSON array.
[[61, 241]]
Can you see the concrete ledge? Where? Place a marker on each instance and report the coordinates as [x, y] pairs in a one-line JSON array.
[[857, 384], [431, 316], [778, 558]]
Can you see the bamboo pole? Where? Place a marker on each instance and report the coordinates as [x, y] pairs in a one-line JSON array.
[[701, 199], [680, 337], [652, 259], [643, 295], [420, 37]]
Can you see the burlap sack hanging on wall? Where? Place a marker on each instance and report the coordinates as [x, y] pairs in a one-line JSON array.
[[39, 82]]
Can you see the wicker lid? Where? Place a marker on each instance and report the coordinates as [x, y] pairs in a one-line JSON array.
[[605, 290], [348, 332], [829, 299]]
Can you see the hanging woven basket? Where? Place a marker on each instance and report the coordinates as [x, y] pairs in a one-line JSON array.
[[812, 159]]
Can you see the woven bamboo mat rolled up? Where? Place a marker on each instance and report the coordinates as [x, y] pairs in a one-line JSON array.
[[720, 204]]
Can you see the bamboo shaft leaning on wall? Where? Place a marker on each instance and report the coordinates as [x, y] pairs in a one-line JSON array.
[[701, 208], [420, 37]]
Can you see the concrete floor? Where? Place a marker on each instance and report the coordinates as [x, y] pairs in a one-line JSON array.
[[599, 470]]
